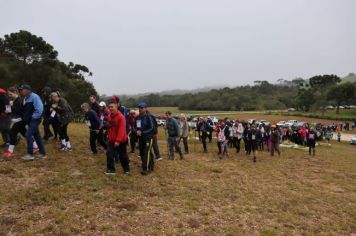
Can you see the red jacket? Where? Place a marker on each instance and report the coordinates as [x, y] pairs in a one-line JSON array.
[[117, 128]]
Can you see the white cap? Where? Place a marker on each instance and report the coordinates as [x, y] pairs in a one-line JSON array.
[[102, 104]]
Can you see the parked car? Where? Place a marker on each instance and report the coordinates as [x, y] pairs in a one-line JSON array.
[[161, 122], [281, 123], [353, 140], [330, 107], [251, 121], [291, 122], [291, 109]]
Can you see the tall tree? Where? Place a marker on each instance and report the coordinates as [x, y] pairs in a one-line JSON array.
[[342, 93]]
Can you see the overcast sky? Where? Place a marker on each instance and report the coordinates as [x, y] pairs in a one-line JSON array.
[[136, 46]]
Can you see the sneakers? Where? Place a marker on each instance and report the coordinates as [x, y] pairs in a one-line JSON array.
[[110, 172], [65, 148], [40, 156], [28, 157], [7, 155]]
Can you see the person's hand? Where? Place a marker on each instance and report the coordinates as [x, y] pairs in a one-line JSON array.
[[116, 144], [51, 109], [139, 133]]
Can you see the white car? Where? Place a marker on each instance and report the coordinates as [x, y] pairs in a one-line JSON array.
[[291, 109], [281, 123], [291, 122], [353, 140], [161, 122]]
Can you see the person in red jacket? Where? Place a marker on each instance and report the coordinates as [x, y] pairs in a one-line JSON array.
[[117, 140]]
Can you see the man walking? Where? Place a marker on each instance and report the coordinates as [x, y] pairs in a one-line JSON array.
[[117, 140], [33, 108], [173, 136], [145, 133]]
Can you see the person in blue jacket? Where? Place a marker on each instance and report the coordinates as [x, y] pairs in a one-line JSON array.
[[33, 108], [95, 125], [145, 133]]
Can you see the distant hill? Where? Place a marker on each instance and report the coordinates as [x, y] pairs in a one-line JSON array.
[[350, 78]]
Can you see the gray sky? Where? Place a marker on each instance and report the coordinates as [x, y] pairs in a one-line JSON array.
[[136, 46]]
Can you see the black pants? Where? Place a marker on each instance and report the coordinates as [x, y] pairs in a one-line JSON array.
[[275, 147], [204, 136], [63, 132], [237, 143], [133, 141], [146, 154], [112, 151], [96, 136], [185, 143], [46, 127], [210, 136], [5, 123], [156, 148], [311, 145], [18, 127]]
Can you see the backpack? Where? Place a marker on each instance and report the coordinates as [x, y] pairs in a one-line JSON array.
[[312, 136], [221, 135]]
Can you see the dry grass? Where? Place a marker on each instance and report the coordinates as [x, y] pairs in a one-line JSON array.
[[293, 194]]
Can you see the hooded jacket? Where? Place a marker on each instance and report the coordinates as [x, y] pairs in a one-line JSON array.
[[116, 128]]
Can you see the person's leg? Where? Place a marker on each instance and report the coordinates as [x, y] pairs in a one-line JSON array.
[[238, 145], [150, 157], [219, 148], [124, 159], [310, 149], [170, 148], [177, 148], [29, 137], [110, 155], [156, 148], [272, 149], [277, 149], [5, 123], [203, 140], [38, 139], [68, 144], [47, 130], [100, 139], [185, 143], [92, 140]]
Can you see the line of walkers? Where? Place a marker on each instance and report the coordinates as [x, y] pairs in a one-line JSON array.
[[114, 128]]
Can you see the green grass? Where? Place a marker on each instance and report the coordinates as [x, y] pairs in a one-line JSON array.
[[344, 115], [68, 193]]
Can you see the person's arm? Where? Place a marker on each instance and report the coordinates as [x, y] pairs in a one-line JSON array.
[[38, 106]]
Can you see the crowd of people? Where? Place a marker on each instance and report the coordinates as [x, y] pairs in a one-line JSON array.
[[116, 129]]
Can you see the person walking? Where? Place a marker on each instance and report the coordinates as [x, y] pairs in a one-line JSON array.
[[203, 130], [94, 105], [64, 113], [33, 108], [311, 141], [145, 132], [184, 132], [173, 136], [117, 140], [95, 126], [5, 120], [275, 140]]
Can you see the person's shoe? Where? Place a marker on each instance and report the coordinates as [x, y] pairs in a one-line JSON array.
[[63, 148], [28, 157], [127, 172], [7, 155], [40, 156], [159, 159], [36, 150], [69, 149], [144, 172], [110, 172]]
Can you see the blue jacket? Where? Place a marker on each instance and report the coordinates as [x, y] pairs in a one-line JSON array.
[[93, 120], [145, 124], [33, 107]]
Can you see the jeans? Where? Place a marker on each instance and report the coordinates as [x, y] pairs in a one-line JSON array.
[[173, 143], [34, 133], [185, 143]]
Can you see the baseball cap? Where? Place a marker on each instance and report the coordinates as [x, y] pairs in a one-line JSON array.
[[102, 104], [142, 105], [25, 86]]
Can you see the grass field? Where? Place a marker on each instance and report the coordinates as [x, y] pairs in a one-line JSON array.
[[67, 193]]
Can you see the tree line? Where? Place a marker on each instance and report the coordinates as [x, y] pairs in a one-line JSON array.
[[27, 58]]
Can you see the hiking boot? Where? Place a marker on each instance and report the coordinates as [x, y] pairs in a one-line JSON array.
[[28, 157], [40, 156], [110, 172], [7, 155]]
